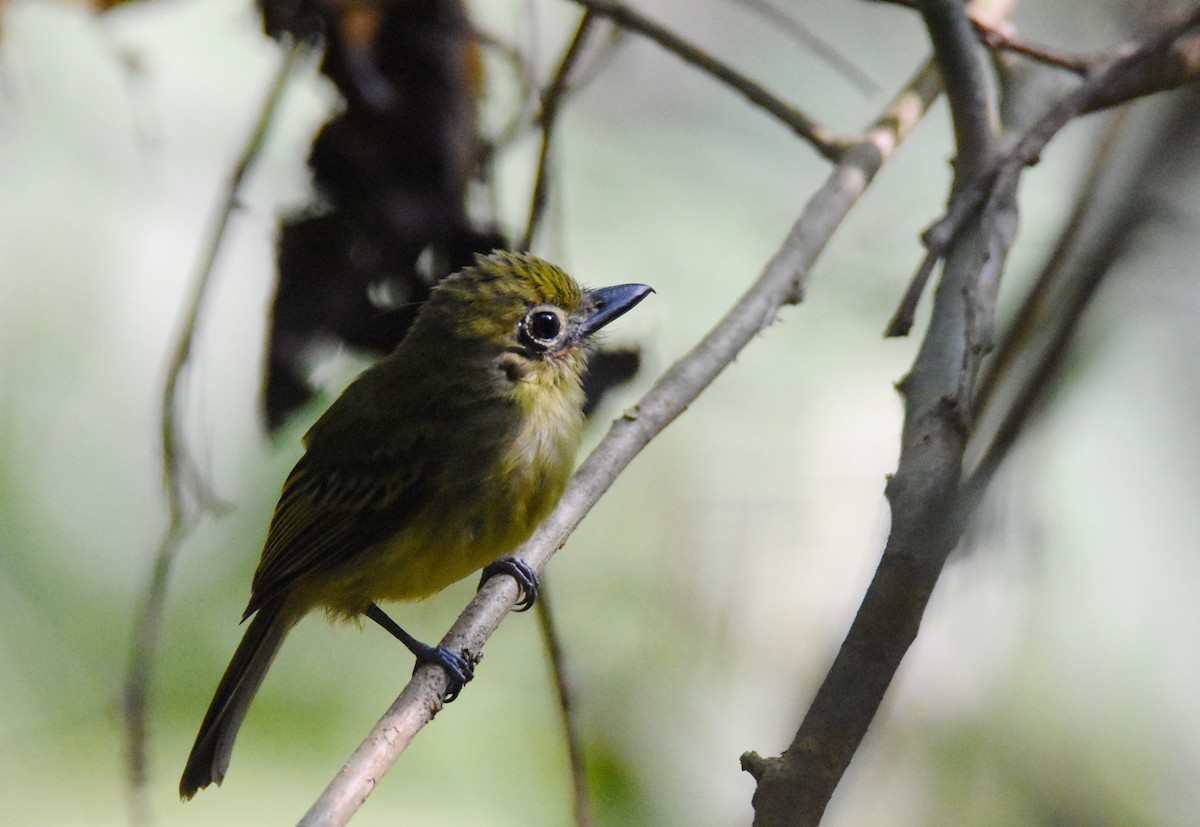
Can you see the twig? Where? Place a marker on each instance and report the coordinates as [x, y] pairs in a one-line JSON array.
[[137, 679], [815, 44], [902, 320], [1168, 64], [187, 496], [782, 282], [993, 38], [973, 113], [821, 139], [1075, 274], [551, 98], [1110, 71], [1180, 66], [1034, 307], [521, 119], [581, 801], [1127, 68]]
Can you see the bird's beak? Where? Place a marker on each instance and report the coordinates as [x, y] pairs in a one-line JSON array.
[[610, 302]]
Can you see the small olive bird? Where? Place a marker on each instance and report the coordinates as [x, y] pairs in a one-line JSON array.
[[432, 464]]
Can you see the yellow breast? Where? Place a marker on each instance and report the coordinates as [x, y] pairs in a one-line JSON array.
[[451, 537]]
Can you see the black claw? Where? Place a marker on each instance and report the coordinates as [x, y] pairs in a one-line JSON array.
[[522, 572], [459, 670]]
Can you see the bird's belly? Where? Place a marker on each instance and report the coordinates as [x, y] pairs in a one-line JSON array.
[[437, 548], [475, 521], [418, 564]]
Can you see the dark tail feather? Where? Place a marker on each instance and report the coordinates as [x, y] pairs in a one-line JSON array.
[[214, 744]]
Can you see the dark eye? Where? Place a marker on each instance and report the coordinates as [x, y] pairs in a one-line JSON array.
[[543, 326]]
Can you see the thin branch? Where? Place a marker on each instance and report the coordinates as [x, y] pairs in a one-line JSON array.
[[973, 112], [135, 692], [1076, 272], [1171, 57], [1113, 71], [902, 320], [1033, 308], [1170, 62], [187, 495], [551, 98], [782, 282], [1171, 68], [824, 50], [994, 38], [821, 139], [582, 805]]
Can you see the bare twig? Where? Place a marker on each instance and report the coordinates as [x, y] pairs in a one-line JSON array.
[[1033, 353], [521, 119], [815, 44], [994, 38], [1167, 62], [821, 139], [902, 320], [1113, 71], [187, 496], [581, 801], [551, 98], [1033, 308], [1167, 56], [782, 282], [973, 113], [1176, 66]]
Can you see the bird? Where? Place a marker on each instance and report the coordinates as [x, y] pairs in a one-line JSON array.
[[436, 462]]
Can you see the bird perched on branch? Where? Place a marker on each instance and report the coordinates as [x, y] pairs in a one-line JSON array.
[[432, 464]]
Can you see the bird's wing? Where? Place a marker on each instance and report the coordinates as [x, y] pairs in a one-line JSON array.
[[327, 516]]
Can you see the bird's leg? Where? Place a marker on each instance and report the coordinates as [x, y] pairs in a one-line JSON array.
[[458, 669], [519, 570]]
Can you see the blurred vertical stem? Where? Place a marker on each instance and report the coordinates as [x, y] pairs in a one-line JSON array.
[[551, 98], [188, 497], [582, 805], [548, 117]]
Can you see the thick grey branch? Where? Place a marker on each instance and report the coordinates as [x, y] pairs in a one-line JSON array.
[[964, 76], [795, 788]]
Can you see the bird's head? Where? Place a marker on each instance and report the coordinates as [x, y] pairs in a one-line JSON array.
[[534, 318]]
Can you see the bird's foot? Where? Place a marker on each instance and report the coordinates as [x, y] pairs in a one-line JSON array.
[[459, 670], [519, 570]]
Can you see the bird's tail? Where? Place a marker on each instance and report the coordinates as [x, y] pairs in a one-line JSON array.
[[214, 744]]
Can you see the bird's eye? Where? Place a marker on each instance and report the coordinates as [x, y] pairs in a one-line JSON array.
[[543, 326]]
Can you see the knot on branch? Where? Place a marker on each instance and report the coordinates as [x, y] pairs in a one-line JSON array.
[[755, 764]]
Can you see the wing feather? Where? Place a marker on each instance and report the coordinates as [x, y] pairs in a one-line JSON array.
[[326, 517]]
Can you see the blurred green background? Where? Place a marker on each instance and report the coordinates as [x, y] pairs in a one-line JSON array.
[[1055, 677]]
